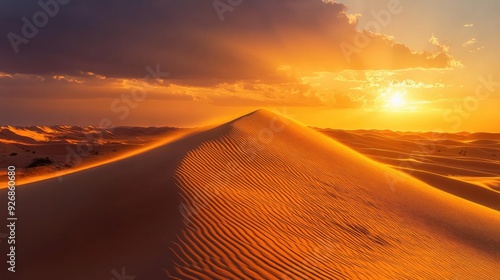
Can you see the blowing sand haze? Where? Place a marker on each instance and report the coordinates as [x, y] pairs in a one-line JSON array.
[[260, 197]]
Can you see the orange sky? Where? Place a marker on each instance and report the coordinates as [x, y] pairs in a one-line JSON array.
[[395, 64]]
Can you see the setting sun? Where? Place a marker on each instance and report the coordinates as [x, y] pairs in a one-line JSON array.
[[394, 100], [397, 100]]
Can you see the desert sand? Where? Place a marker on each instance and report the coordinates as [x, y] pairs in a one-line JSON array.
[[463, 164], [260, 197], [44, 151]]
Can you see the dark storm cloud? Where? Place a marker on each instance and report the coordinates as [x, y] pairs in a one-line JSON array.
[[119, 38]]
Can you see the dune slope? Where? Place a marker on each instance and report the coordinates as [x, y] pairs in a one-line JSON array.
[[287, 203], [260, 197], [463, 164]]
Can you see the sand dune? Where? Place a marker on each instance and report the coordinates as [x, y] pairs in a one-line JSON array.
[[68, 148], [76, 134], [463, 164], [260, 197]]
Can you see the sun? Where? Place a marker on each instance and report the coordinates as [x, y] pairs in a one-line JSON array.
[[396, 100]]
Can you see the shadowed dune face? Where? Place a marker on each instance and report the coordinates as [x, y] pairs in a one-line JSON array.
[[260, 197]]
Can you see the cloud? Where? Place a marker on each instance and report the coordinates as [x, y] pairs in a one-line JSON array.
[[346, 101], [408, 83], [435, 42], [90, 86], [354, 18], [470, 42], [119, 38], [468, 25], [67, 79], [476, 49], [443, 53], [472, 45]]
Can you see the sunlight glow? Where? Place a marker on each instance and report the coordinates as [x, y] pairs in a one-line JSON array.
[[394, 100], [397, 100]]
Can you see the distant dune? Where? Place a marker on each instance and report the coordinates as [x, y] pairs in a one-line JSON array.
[[260, 197], [464, 164], [41, 151]]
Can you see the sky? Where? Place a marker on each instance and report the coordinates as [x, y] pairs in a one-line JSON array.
[[407, 65]]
